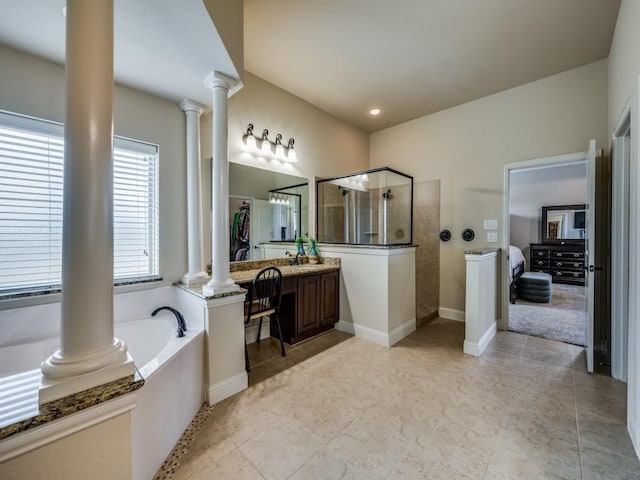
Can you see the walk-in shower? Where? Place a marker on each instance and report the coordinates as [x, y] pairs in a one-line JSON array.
[[366, 208]]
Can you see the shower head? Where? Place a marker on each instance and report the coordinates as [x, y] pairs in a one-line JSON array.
[[387, 195]]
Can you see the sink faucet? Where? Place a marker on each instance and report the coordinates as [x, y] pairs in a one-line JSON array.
[[182, 325], [291, 260], [296, 261]]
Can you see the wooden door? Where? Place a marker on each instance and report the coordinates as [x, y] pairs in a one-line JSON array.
[[308, 320], [329, 299]]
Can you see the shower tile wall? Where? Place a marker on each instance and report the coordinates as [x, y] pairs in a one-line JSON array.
[[426, 226]]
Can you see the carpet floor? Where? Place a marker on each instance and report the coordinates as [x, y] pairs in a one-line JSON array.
[[563, 320]]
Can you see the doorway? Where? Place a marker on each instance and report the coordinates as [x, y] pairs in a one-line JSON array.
[[547, 207]]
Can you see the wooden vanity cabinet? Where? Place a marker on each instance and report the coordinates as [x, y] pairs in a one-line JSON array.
[[310, 305]]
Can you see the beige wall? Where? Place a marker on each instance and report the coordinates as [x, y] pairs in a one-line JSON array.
[[100, 452], [624, 59], [36, 87], [465, 147], [325, 145]]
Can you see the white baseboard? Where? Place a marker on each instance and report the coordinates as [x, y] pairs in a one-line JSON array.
[[370, 334], [631, 428], [345, 327], [227, 387], [451, 314], [476, 349], [402, 331]]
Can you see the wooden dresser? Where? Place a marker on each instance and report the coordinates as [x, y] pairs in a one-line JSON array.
[[565, 263]]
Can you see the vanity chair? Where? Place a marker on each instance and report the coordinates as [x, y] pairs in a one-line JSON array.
[[263, 300]]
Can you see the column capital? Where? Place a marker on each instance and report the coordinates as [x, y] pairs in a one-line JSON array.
[[217, 79], [188, 105]]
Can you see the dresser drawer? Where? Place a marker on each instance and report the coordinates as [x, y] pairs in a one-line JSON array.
[[535, 253], [567, 264], [568, 274], [539, 263], [568, 255]]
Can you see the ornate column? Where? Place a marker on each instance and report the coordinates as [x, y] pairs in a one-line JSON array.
[[89, 355], [221, 281], [196, 274]]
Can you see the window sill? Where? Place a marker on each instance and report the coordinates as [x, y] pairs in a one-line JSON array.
[[53, 291]]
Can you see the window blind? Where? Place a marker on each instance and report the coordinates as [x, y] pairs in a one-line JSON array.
[[31, 166]]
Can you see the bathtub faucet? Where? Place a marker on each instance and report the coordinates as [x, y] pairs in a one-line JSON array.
[[182, 325]]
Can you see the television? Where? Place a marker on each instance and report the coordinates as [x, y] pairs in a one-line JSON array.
[[579, 220]]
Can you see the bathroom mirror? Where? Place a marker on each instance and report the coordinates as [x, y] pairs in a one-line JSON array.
[[264, 206], [564, 224]]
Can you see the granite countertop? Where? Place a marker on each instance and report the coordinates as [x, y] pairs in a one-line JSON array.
[[245, 276]]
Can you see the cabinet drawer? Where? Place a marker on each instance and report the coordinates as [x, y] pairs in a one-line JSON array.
[[539, 262], [540, 270], [568, 255], [567, 264], [535, 253], [569, 274]]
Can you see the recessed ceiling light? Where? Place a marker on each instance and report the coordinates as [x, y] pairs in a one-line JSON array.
[[374, 112]]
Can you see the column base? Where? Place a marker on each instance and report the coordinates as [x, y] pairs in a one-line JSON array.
[[212, 288], [194, 279], [62, 376]]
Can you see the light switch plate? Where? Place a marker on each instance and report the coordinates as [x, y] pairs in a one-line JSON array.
[[492, 237], [491, 224]]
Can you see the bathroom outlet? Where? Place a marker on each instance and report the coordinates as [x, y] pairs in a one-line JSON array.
[[492, 237], [491, 224]]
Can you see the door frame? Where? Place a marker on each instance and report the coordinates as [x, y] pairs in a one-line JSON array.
[[620, 230], [543, 162]]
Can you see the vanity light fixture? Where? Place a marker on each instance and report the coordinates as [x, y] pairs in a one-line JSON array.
[[265, 149], [279, 148], [268, 149], [291, 154], [249, 140]]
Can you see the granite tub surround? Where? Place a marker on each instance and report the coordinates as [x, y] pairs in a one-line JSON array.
[[22, 391]]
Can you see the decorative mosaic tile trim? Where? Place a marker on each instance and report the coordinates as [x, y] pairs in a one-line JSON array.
[[74, 403], [172, 462]]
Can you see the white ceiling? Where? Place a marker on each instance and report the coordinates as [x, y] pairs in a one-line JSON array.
[[415, 57], [165, 47], [409, 57]]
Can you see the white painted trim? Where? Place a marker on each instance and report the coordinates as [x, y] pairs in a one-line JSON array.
[[372, 335], [345, 327], [476, 349], [227, 387], [402, 331], [50, 432], [360, 331], [631, 428], [328, 248], [451, 314]]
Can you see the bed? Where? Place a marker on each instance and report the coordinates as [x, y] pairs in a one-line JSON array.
[[516, 269]]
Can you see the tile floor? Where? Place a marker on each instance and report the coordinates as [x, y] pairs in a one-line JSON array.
[[347, 408]]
